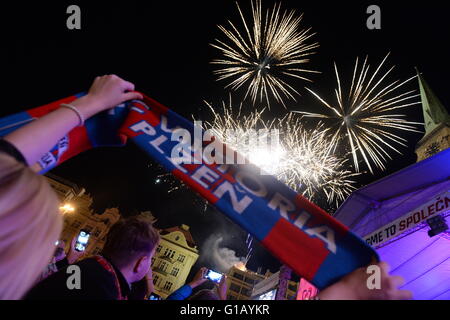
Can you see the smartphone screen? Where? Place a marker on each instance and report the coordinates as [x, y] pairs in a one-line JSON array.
[[82, 240], [214, 276], [154, 296]]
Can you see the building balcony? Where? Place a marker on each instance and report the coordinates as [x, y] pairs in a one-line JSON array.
[[166, 258], [160, 271]]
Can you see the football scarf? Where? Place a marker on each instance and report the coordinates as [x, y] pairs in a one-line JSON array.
[[299, 233]]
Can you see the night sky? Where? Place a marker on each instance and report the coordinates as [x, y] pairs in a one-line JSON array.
[[163, 47]]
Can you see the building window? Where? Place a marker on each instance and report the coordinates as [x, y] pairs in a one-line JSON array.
[[175, 272], [158, 249], [169, 253], [238, 275], [163, 266], [168, 285], [97, 232], [250, 281], [153, 260], [76, 224], [235, 288], [231, 297], [181, 258], [155, 279], [246, 292]]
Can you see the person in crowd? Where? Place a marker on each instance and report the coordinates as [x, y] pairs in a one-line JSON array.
[[30, 222], [141, 290], [185, 292], [205, 294], [60, 260], [126, 258], [54, 265], [219, 292]]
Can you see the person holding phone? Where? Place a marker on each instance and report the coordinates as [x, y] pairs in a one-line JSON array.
[[60, 259], [218, 293], [202, 275], [186, 290]]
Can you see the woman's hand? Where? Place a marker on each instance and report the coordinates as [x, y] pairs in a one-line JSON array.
[[106, 92]]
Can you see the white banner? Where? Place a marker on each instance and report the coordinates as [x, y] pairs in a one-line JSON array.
[[438, 205]]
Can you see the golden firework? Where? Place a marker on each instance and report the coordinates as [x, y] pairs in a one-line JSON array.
[[366, 118], [274, 48], [303, 158]]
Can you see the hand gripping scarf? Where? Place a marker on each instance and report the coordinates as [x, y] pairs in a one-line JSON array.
[[299, 233]]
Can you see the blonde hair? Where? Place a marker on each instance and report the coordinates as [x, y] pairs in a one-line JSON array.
[[30, 224]]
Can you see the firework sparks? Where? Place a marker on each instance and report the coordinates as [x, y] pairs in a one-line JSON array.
[[174, 185], [364, 118], [302, 159], [249, 243], [276, 47]]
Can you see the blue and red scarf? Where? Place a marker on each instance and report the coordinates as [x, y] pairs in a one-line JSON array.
[[296, 231]]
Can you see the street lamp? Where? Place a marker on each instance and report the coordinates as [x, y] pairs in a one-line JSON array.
[[66, 208]]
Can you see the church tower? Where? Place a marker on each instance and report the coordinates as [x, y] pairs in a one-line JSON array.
[[437, 123]]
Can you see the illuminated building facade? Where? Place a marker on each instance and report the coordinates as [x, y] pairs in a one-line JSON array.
[[76, 208], [241, 282], [173, 260], [244, 284]]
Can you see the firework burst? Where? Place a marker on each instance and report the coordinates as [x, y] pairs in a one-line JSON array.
[[276, 47], [303, 159], [365, 118]]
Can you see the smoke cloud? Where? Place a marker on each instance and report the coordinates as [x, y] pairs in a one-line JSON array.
[[222, 258]]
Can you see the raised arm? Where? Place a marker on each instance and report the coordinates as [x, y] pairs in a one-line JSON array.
[[35, 139]]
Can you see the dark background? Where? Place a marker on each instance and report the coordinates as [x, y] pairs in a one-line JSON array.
[[163, 47]]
